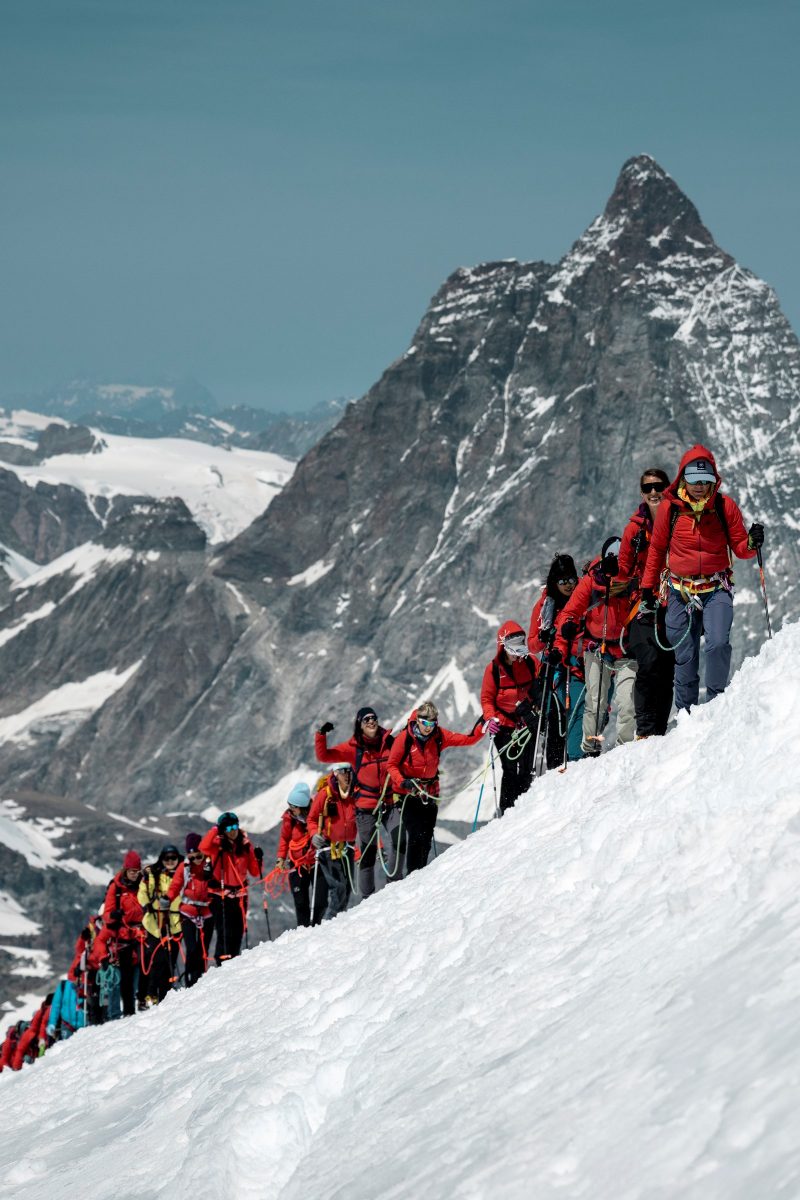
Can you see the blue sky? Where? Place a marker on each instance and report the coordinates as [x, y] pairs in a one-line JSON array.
[[264, 194]]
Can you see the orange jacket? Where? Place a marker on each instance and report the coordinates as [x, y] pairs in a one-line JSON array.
[[193, 880]]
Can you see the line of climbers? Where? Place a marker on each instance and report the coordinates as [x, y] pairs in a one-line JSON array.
[[626, 632]]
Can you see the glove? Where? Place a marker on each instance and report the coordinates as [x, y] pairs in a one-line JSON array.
[[647, 607], [116, 914], [163, 903], [755, 535], [554, 657], [492, 726], [610, 566], [259, 853], [328, 727], [319, 842], [547, 636], [280, 864], [569, 630]]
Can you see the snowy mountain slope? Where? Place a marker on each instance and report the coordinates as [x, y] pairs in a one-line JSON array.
[[225, 489], [595, 997]]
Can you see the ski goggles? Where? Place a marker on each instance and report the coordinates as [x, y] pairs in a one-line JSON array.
[[653, 487], [230, 828], [424, 723], [571, 579]]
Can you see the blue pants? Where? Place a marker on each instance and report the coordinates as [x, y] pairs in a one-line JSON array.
[[713, 621]]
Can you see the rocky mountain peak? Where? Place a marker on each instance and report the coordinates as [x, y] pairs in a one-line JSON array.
[[647, 202]]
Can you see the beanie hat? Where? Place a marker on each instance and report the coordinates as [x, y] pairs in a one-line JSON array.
[[227, 820], [363, 713], [192, 842], [300, 796], [131, 861]]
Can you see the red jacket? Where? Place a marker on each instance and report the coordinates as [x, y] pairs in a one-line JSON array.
[[230, 861], [506, 683], [422, 758], [587, 604], [10, 1044], [698, 547], [634, 545], [193, 880], [27, 1047], [122, 896], [332, 815], [294, 842], [369, 760]]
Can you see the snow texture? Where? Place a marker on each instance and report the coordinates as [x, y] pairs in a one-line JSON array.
[[594, 997], [225, 489], [71, 703]]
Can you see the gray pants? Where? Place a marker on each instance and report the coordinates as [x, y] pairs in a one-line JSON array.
[[371, 875], [622, 673]]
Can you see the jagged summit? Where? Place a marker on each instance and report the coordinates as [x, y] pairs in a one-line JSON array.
[[649, 200]]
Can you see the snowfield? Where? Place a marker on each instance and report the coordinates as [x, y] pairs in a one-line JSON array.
[[225, 490], [595, 997]]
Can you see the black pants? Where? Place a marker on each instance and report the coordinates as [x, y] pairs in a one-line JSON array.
[[302, 885], [655, 668], [419, 817], [128, 963], [228, 913], [160, 958], [517, 772], [196, 940], [337, 872]]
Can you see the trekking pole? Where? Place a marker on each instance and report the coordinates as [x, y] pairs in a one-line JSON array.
[[266, 914], [598, 737], [565, 759], [541, 715], [497, 811], [763, 589], [483, 785]]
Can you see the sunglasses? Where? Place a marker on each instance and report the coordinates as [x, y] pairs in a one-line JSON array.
[[196, 857], [230, 828], [425, 723], [369, 720], [170, 858], [653, 487], [567, 582]]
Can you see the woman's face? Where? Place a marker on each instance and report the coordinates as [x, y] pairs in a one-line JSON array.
[[567, 586], [652, 492], [698, 491]]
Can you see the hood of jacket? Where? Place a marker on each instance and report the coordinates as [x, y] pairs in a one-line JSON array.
[[689, 456]]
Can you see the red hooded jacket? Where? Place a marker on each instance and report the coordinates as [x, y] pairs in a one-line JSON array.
[[122, 895], [412, 757], [369, 759], [587, 604], [333, 815], [294, 842], [698, 546], [506, 683]]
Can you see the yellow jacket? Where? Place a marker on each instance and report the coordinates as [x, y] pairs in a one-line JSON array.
[[157, 921]]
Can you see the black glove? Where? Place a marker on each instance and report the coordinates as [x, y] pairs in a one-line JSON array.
[[548, 636], [114, 918], [555, 657], [610, 566], [328, 727], [568, 630], [647, 607], [755, 535], [259, 853]]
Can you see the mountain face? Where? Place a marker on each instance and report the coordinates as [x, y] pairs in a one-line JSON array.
[[515, 426]]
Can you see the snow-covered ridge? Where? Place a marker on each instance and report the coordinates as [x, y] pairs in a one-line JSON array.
[[225, 489], [596, 996]]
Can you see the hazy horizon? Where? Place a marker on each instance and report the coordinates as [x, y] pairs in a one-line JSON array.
[[264, 198]]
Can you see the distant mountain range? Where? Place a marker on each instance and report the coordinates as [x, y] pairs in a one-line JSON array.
[[148, 674], [182, 408]]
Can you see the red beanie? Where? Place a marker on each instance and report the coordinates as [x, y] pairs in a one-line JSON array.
[[132, 861]]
